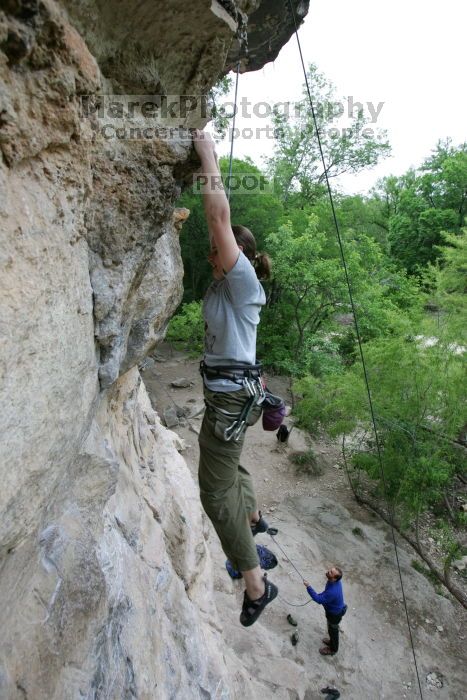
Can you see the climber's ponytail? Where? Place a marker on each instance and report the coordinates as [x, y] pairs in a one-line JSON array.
[[263, 266], [260, 261]]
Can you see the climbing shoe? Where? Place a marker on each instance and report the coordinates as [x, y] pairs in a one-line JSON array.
[[330, 693], [294, 639], [292, 621], [252, 609], [259, 526]]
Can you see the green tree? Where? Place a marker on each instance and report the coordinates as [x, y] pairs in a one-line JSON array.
[[186, 328], [423, 203], [417, 392], [416, 377], [309, 290], [356, 213], [444, 179], [259, 210], [451, 277], [448, 280], [220, 119], [296, 164]]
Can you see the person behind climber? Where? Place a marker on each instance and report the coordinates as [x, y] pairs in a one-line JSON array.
[[332, 600], [231, 383]]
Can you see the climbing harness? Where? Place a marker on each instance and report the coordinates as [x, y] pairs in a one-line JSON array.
[[236, 373], [354, 313], [248, 377]]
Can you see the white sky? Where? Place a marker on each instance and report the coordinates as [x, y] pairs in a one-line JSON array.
[[409, 54]]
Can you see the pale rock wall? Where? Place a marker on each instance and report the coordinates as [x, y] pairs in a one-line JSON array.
[[104, 573], [113, 598]]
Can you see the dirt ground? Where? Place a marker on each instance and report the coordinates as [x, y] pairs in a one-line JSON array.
[[320, 524]]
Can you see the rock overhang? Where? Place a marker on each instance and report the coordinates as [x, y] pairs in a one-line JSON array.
[[56, 56], [180, 47]]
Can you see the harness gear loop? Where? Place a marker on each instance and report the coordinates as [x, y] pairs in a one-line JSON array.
[[249, 377]]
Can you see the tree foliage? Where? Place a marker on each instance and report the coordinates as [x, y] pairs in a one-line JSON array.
[[309, 296], [417, 394], [405, 247], [296, 164], [423, 204], [186, 330], [259, 210]]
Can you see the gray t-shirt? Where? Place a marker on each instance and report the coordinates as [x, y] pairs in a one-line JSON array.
[[231, 311]]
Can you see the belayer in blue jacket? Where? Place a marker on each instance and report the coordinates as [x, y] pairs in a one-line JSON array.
[[332, 600]]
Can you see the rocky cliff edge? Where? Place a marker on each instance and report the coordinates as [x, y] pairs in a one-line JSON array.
[[104, 571]]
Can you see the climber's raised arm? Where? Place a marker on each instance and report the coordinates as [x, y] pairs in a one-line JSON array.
[[216, 205]]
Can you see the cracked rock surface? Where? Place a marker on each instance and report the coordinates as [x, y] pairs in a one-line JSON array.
[[104, 575]]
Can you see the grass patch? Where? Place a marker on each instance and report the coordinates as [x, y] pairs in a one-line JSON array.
[[358, 532], [306, 463]]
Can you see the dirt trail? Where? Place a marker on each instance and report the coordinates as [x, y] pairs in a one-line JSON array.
[[320, 524]]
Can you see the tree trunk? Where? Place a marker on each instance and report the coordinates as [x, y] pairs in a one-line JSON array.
[[452, 517]]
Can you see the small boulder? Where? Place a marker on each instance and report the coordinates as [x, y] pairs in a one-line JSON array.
[[434, 680], [146, 364], [195, 410], [460, 564], [181, 383], [170, 417], [179, 444]]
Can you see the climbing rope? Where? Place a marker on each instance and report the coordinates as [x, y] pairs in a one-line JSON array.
[[357, 330], [294, 605], [232, 135], [242, 38]]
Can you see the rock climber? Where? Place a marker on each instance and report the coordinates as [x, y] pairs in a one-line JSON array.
[[231, 383], [332, 600]]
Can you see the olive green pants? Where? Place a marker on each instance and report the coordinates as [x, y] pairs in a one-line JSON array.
[[226, 488]]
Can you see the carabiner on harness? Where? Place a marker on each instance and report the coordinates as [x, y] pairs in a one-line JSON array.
[[239, 423], [256, 391]]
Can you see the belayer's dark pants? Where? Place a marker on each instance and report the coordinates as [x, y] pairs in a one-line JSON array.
[[333, 628]]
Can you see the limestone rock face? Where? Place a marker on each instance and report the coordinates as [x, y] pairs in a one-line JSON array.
[[103, 564], [112, 597], [121, 189]]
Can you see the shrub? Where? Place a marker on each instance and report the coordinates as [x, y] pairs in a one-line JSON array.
[[186, 328], [306, 463]]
